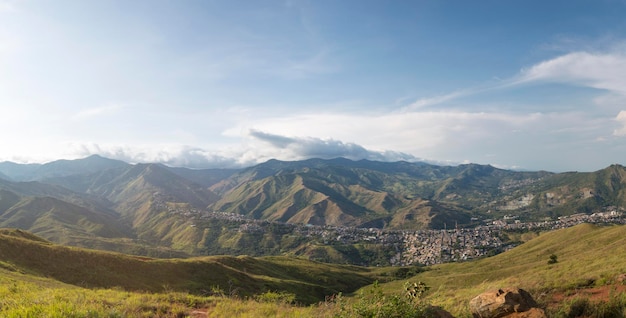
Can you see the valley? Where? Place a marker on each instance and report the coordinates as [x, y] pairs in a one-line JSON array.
[[338, 211]]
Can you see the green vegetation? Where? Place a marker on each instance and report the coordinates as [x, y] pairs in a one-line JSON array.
[[25, 297], [40, 279], [553, 259], [373, 303], [615, 307], [157, 211], [244, 276], [588, 256]]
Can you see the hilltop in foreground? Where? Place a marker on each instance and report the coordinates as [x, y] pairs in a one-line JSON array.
[[589, 257]]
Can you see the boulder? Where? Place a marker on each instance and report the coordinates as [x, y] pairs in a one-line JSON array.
[[532, 313], [438, 312], [504, 303]]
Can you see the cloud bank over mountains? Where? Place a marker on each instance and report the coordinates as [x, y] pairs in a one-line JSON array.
[[263, 147]]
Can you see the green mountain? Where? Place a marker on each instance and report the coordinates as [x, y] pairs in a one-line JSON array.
[[158, 210], [147, 198], [364, 193], [59, 168]]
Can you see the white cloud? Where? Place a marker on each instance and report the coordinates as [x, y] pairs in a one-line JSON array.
[[502, 139], [409, 132], [96, 111], [430, 101], [173, 155], [8, 6], [603, 71], [309, 147], [597, 70], [621, 119]]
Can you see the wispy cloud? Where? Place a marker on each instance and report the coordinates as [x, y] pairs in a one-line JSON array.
[[621, 119], [317, 64], [431, 101], [8, 6], [97, 111], [597, 70], [603, 71]]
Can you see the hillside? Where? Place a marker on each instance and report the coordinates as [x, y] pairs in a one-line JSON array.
[[590, 259], [364, 193], [588, 256], [151, 209], [58, 168], [309, 281]]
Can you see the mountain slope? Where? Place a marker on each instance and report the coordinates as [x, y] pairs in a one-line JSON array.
[[147, 197], [170, 207], [309, 281], [59, 168], [51, 218], [587, 255], [364, 193], [386, 195]]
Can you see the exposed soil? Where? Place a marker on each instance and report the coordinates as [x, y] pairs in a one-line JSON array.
[[595, 294], [199, 313]]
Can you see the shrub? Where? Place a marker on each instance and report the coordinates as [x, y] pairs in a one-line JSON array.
[[553, 259], [373, 303], [613, 308], [276, 297]]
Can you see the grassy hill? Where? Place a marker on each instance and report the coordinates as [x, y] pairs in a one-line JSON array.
[[308, 281], [42, 276], [588, 256]]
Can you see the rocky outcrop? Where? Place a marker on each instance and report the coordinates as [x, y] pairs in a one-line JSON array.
[[532, 313], [507, 302], [438, 312]]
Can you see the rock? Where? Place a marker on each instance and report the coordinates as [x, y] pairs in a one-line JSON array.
[[438, 312], [502, 303], [532, 313]]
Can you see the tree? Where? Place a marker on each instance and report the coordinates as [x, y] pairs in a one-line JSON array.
[[553, 259]]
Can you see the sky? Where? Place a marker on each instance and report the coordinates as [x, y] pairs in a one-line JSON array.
[[529, 85]]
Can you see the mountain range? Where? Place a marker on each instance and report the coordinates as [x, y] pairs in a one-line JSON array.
[[153, 209]]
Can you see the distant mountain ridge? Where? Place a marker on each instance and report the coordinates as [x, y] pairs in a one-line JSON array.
[[59, 168], [141, 208]]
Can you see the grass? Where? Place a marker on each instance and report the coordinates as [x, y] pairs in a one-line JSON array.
[[308, 281], [587, 255], [614, 307], [28, 296], [40, 279]]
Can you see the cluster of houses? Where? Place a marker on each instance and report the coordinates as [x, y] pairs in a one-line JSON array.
[[425, 247], [442, 246]]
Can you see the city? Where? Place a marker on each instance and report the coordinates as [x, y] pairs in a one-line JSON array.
[[409, 248]]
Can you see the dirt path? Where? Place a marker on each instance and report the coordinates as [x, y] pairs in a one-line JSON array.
[[199, 313]]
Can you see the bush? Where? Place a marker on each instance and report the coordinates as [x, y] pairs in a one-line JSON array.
[[553, 259], [613, 308], [276, 297], [373, 303]]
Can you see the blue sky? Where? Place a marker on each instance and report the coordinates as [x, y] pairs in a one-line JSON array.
[[516, 84]]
